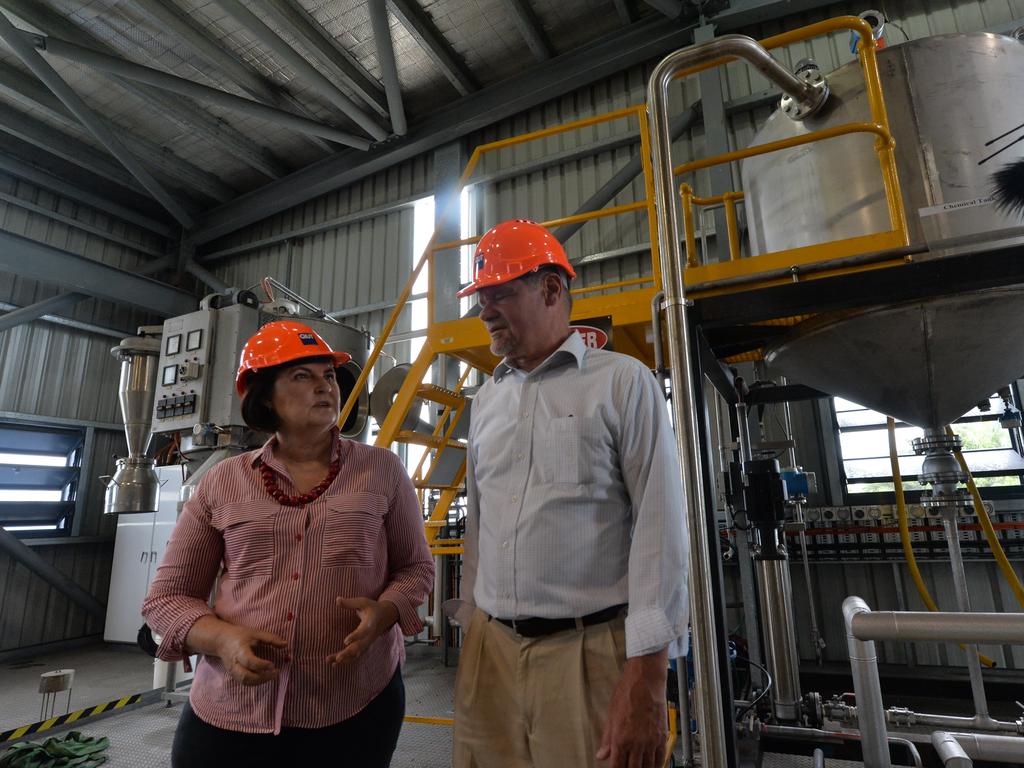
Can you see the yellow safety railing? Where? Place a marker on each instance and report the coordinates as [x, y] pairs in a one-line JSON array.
[[728, 201], [434, 247], [897, 237]]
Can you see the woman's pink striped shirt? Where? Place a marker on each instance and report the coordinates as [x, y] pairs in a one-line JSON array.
[[280, 570]]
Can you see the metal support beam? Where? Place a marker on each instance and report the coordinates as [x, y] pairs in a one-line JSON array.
[[446, 272], [292, 16], [181, 112], [625, 14], [18, 551], [67, 322], [419, 25], [530, 28], [566, 72], [671, 8], [35, 311], [716, 140], [170, 18], [37, 261], [389, 69], [26, 91], [207, 277], [65, 188], [626, 174], [41, 69], [78, 224], [158, 79], [59, 144], [303, 69]]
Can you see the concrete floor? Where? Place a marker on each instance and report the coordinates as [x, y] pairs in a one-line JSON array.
[[103, 672], [140, 737]]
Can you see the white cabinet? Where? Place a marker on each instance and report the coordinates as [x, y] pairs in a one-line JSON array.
[[138, 547]]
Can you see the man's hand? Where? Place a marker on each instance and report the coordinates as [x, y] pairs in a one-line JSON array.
[[637, 728], [237, 647], [375, 618]]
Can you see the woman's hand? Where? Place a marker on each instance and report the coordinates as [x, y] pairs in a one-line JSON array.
[[375, 618], [237, 649]]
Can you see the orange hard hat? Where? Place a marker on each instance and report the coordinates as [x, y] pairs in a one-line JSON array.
[[283, 341], [510, 250]]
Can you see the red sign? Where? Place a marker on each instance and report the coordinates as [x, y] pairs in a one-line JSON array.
[[593, 337]]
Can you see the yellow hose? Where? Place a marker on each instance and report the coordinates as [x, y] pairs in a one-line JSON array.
[[908, 547], [990, 533]]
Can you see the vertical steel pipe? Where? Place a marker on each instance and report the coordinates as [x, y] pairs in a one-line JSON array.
[[963, 604], [775, 592], [870, 712]]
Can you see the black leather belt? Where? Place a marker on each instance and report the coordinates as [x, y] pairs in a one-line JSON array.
[[536, 627]]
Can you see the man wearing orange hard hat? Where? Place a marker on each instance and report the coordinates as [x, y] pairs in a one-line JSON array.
[[574, 580]]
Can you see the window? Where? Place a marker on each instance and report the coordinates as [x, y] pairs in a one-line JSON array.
[[39, 477], [993, 453]]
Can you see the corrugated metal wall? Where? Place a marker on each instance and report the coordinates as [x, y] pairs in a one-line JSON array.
[[54, 371], [32, 613]]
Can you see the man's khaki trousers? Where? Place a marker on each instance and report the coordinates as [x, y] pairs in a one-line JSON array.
[[534, 702]]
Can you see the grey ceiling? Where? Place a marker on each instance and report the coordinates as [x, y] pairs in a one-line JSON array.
[[322, 58]]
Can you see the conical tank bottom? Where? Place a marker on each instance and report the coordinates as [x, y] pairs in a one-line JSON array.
[[926, 362]]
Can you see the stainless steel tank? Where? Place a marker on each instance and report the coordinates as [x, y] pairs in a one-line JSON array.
[[345, 338], [955, 106]]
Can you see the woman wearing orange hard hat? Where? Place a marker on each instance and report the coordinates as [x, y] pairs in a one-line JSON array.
[[314, 546]]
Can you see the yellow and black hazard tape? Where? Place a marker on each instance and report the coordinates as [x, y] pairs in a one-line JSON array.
[[70, 717]]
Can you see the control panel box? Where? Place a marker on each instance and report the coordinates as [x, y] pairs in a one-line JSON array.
[[198, 361]]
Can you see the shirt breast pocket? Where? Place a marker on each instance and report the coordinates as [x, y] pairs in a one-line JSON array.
[[248, 542], [564, 450], [352, 532]]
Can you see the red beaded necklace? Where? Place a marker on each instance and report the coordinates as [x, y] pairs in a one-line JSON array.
[[270, 483]]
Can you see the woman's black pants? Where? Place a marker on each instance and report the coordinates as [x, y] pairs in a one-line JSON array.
[[365, 740]]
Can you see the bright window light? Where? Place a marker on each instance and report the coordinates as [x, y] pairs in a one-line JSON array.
[[34, 459]]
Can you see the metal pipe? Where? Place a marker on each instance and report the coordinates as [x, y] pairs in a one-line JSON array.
[[683, 690], [388, 69], [776, 602], [799, 732], [949, 751], [864, 665], [42, 69], [438, 616], [713, 714], [20, 552], [659, 353], [984, 746], [183, 87], [901, 717], [787, 421], [997, 628], [306, 71], [963, 601]]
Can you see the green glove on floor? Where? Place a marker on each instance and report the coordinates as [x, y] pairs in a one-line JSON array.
[[72, 751]]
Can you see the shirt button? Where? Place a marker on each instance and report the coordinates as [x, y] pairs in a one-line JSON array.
[[526, 414], [295, 576], [519, 456], [298, 537], [515, 499], [290, 615], [504, 545], [287, 659]]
